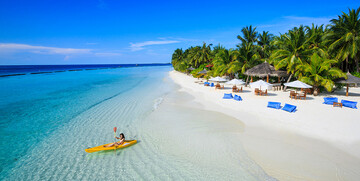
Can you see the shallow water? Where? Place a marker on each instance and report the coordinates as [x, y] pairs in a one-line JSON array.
[[48, 120]]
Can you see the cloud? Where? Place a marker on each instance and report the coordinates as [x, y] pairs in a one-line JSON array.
[[41, 49], [140, 46]]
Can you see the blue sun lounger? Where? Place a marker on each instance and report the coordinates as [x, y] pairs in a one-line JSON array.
[[227, 96], [237, 98], [350, 104], [289, 108], [212, 85], [330, 100], [206, 84], [275, 105]]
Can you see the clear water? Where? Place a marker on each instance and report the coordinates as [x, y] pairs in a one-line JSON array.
[[47, 120]]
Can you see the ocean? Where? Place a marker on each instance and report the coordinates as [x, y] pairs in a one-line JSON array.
[[47, 120]]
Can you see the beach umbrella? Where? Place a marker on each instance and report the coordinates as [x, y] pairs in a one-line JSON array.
[[259, 84], [203, 72], [350, 80], [235, 82], [218, 79], [298, 84]]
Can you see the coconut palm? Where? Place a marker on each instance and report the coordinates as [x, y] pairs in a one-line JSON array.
[[319, 72], [292, 50], [344, 37], [315, 34], [200, 55], [265, 48], [223, 62], [249, 35]]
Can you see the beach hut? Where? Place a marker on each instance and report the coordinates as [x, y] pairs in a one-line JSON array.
[[265, 70], [259, 84], [350, 80]]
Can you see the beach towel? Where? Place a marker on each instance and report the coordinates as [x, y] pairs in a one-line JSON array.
[[237, 98], [330, 100], [227, 96], [289, 108], [350, 104], [275, 105], [212, 85]]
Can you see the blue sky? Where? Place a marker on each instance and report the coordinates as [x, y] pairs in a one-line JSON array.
[[118, 31]]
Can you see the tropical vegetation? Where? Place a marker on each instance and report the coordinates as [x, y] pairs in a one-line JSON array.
[[316, 54]]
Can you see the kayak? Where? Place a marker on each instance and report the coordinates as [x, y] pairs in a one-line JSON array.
[[127, 143]]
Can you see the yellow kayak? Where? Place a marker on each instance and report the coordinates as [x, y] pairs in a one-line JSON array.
[[102, 148]]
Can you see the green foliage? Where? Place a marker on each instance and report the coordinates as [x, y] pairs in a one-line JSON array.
[[313, 54], [319, 72]]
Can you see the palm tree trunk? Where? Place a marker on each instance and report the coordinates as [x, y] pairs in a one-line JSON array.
[[347, 64], [289, 78], [247, 80], [357, 64], [288, 81]]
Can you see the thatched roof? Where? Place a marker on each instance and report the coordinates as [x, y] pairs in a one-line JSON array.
[[191, 68], [350, 80], [264, 70], [202, 72]]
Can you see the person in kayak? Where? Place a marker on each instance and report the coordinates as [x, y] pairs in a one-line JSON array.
[[121, 138]]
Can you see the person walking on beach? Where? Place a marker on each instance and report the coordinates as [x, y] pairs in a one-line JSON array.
[[121, 138]]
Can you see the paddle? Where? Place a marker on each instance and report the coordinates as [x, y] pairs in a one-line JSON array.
[[115, 133]]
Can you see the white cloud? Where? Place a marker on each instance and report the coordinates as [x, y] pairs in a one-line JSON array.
[[140, 46], [41, 49]]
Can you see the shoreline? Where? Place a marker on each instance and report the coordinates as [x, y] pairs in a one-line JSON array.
[[314, 120]]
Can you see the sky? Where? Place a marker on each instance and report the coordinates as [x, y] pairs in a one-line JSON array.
[[118, 31]]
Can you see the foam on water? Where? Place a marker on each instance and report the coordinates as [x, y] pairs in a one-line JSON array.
[[56, 117]]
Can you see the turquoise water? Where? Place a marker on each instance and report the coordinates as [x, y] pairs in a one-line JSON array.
[[47, 121]]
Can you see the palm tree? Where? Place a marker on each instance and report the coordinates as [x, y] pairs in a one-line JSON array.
[[223, 62], [344, 37], [315, 34], [292, 50], [265, 47], [248, 56], [249, 35], [319, 72], [200, 55], [177, 56]]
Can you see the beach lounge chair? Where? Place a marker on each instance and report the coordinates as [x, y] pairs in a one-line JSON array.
[[275, 105], [257, 91], [350, 104], [293, 95], [289, 108], [237, 98], [228, 96], [212, 85], [330, 100], [235, 89], [206, 84], [263, 93]]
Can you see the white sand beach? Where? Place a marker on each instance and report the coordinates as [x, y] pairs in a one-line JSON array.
[[317, 142]]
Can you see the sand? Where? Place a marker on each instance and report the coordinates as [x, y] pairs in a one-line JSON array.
[[317, 142]]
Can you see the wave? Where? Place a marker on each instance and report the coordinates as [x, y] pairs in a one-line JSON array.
[[157, 102]]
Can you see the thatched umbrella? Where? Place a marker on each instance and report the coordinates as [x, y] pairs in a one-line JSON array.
[[203, 72], [350, 80], [265, 70]]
